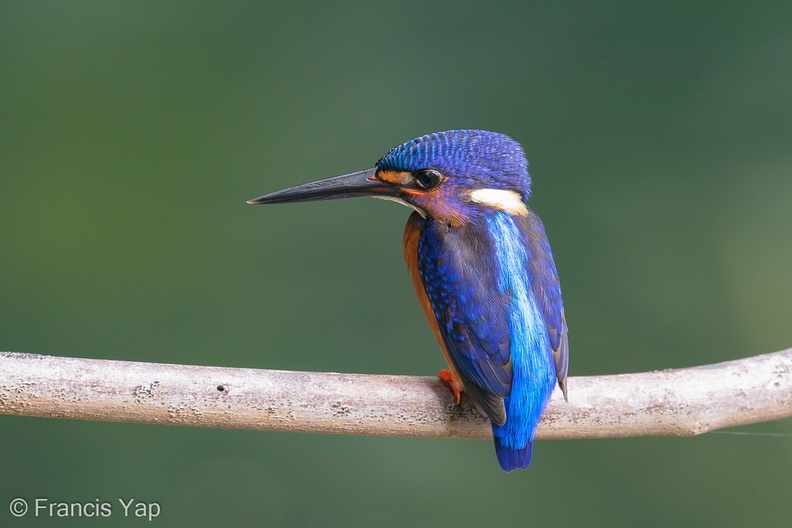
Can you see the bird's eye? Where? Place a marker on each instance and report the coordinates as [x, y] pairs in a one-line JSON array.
[[427, 178]]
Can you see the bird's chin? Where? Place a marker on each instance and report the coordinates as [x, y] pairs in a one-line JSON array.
[[401, 202]]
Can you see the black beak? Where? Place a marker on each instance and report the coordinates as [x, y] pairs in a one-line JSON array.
[[361, 183]]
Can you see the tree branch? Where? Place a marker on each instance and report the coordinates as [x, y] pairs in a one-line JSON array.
[[675, 402]]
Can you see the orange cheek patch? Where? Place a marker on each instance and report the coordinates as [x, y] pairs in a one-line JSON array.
[[393, 176], [440, 207]]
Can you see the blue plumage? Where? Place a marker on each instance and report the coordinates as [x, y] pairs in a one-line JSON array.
[[482, 268], [476, 279], [533, 371], [472, 156]]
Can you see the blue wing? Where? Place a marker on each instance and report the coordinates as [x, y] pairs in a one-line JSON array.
[[471, 314], [475, 311]]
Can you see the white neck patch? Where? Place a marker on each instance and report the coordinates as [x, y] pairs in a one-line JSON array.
[[501, 199]]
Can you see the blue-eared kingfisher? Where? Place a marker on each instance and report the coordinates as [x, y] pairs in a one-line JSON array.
[[482, 268]]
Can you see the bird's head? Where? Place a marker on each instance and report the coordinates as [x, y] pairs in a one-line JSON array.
[[451, 176]]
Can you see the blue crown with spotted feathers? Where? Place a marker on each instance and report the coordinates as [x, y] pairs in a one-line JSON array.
[[486, 159]]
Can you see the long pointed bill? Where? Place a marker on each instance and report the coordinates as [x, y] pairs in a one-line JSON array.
[[361, 183]]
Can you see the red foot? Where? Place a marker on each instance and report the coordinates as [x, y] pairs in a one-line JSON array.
[[445, 375]]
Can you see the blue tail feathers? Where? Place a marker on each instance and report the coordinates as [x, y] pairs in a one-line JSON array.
[[510, 459]]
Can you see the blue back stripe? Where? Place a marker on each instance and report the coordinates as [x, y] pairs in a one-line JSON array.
[[533, 373]]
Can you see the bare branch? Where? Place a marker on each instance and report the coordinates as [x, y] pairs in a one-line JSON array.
[[671, 402]]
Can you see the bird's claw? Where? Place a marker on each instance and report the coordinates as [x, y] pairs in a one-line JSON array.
[[445, 375]]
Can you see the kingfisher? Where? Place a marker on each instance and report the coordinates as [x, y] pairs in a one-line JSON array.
[[482, 268]]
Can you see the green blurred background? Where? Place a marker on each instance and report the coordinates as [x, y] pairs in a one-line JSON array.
[[131, 134]]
